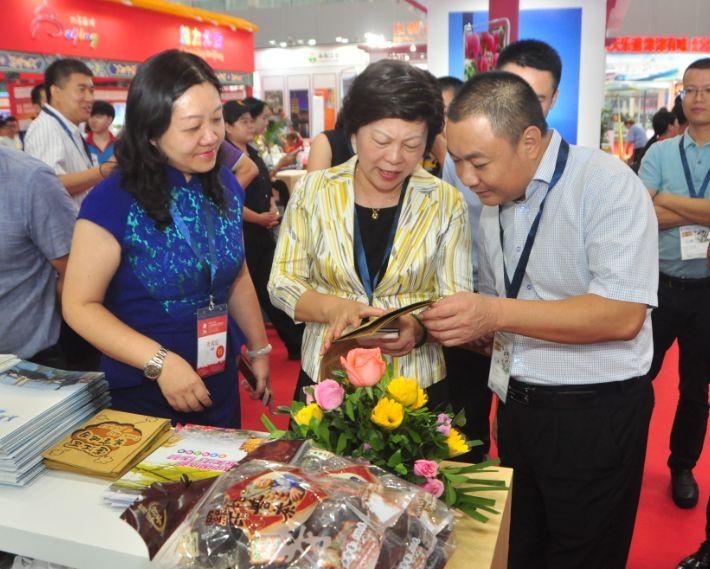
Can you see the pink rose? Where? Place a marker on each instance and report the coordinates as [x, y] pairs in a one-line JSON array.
[[329, 394], [365, 367], [433, 486], [426, 468], [473, 46]]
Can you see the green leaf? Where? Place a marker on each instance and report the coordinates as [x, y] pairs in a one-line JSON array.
[[401, 469], [283, 410], [268, 424], [470, 511], [349, 411], [460, 419], [323, 432], [449, 493], [395, 459], [342, 443]]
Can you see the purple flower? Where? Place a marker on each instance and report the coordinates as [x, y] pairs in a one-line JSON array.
[[444, 429], [443, 419]]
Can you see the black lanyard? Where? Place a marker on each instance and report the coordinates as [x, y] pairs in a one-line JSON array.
[[513, 288], [689, 177], [211, 266], [360, 257], [70, 135]]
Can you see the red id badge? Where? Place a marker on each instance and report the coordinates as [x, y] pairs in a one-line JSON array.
[[211, 340]]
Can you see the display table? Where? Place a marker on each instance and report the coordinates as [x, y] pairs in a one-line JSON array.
[[290, 177], [61, 518]]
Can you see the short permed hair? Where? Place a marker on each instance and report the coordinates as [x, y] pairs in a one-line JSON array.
[[59, 71], [393, 89], [533, 53], [506, 100], [103, 108]]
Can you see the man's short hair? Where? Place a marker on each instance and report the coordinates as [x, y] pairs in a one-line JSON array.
[[59, 71], [103, 108], [450, 83], [702, 63], [533, 53], [36, 94], [506, 100], [256, 106]]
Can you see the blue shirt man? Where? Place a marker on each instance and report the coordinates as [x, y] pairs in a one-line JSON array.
[[677, 172], [36, 225]]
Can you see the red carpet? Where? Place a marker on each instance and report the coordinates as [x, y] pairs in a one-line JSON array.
[[664, 533]]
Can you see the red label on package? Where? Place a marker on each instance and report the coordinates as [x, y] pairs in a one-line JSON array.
[[211, 340]]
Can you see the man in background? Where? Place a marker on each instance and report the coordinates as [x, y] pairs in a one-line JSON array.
[[54, 136], [36, 225], [636, 135], [676, 172]]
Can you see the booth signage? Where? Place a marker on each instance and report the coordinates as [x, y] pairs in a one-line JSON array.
[[658, 44], [109, 31]]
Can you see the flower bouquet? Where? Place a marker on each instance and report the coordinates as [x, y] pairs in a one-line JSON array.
[[365, 413]]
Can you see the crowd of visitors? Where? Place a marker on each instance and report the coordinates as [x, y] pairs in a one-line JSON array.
[[560, 276]]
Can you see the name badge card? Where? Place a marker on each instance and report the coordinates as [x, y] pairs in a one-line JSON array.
[[501, 358], [211, 340], [693, 242]]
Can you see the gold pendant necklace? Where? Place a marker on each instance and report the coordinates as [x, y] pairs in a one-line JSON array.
[[375, 213]]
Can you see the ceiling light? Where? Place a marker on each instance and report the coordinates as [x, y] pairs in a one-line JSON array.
[[338, 39], [283, 44], [299, 42], [311, 42], [272, 42], [412, 48], [345, 40]]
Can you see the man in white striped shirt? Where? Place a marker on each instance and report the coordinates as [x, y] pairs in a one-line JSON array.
[[54, 136], [568, 290]]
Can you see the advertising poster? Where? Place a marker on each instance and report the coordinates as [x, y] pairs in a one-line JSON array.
[[329, 113], [275, 100], [300, 111], [561, 28]]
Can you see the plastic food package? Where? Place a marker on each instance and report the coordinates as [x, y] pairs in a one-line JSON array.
[[322, 512]]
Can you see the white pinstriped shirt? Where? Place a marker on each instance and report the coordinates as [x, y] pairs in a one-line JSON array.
[[47, 141], [598, 235]]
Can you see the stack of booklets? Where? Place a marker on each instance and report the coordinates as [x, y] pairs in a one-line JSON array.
[[108, 444], [38, 406], [193, 452]]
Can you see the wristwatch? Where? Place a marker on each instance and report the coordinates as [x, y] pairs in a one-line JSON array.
[[154, 366]]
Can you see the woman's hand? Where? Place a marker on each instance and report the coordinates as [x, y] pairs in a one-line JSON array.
[[182, 387], [343, 313], [268, 219], [260, 366], [410, 333]]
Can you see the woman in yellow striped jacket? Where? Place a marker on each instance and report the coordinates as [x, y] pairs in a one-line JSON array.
[[377, 232]]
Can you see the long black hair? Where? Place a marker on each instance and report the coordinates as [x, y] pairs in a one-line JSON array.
[[159, 81]]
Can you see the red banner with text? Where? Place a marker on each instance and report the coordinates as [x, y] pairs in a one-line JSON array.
[[104, 30]]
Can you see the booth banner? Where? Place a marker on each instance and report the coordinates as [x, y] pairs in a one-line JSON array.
[[471, 52], [109, 31], [233, 78], [22, 62]]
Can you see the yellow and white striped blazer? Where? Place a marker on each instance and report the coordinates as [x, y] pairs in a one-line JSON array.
[[431, 256]]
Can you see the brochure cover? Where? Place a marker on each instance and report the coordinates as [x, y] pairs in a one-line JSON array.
[[191, 452], [107, 444], [28, 391]]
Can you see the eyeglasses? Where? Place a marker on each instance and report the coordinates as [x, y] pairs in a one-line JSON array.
[[695, 91]]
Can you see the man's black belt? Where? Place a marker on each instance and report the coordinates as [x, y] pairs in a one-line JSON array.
[[569, 396], [682, 283]]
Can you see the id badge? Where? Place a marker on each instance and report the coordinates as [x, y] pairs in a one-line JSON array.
[[693, 242], [211, 340], [501, 359]]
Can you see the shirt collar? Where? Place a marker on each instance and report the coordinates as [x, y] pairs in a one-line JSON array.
[[546, 168], [70, 125], [688, 140]]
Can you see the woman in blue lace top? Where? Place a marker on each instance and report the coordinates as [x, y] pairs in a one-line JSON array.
[[156, 273]]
